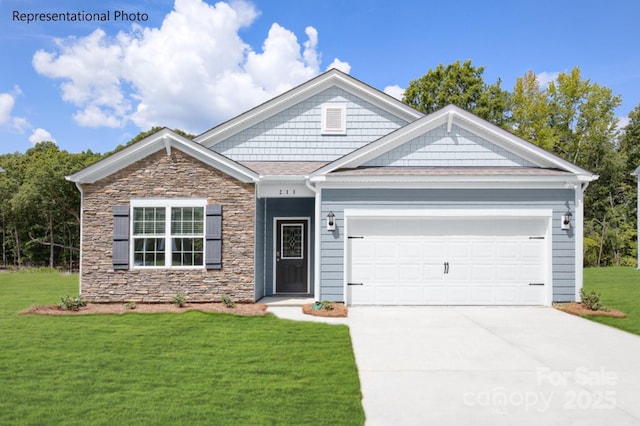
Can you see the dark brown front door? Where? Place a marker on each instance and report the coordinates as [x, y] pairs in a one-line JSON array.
[[291, 256]]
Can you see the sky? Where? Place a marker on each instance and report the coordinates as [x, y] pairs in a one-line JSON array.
[[92, 84]]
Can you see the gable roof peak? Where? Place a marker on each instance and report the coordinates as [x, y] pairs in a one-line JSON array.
[[331, 78], [166, 139]]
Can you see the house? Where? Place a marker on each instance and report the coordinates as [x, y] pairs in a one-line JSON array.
[[339, 191]]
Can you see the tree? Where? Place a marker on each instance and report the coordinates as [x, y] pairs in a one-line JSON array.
[[531, 112], [575, 119], [463, 85]]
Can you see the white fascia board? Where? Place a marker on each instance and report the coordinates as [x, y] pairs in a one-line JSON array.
[[458, 182], [158, 141], [217, 161], [282, 178], [298, 94], [120, 159]]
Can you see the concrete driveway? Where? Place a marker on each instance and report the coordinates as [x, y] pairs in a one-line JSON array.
[[493, 366]]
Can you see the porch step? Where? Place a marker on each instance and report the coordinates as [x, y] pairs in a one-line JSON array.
[[287, 300]]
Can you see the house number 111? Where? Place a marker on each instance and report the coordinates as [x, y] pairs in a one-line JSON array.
[[287, 192]]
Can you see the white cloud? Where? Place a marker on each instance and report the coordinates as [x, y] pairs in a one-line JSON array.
[[6, 106], [395, 91], [40, 135], [339, 65], [7, 102], [190, 73], [544, 78]]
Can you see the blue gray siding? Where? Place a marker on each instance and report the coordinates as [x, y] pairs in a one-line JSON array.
[[282, 207], [460, 148], [295, 133], [337, 200]]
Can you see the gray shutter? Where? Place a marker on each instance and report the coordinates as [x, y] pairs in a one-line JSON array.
[[213, 237], [120, 253]]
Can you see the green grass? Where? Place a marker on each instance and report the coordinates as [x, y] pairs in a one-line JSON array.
[[619, 289], [191, 368]]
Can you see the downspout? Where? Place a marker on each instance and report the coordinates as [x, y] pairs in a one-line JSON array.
[[316, 242], [579, 231]]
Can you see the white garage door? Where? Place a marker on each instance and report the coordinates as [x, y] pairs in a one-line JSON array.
[[465, 261]]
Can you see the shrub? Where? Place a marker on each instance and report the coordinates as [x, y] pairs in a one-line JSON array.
[[179, 300], [327, 305], [71, 303], [591, 300], [130, 305], [228, 302]]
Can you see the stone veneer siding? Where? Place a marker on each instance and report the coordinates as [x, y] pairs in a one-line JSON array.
[[161, 176]]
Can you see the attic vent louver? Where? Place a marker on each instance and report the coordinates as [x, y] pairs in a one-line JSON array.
[[334, 119]]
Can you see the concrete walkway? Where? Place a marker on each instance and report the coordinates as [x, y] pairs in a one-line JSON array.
[[493, 366]]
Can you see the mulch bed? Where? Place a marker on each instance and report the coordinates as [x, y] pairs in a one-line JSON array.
[[575, 308], [249, 309], [338, 311]]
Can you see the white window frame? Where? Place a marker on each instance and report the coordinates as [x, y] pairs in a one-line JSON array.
[[343, 119], [167, 204]]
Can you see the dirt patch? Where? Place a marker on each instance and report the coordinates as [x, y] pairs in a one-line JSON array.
[[338, 311], [575, 308], [250, 309]]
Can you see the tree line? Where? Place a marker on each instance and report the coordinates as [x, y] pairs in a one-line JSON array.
[[570, 116]]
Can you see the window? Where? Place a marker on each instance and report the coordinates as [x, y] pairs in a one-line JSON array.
[[171, 236], [334, 117]]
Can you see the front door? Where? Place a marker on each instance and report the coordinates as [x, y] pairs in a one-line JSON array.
[[291, 256]]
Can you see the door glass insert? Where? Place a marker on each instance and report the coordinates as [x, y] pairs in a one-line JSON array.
[[292, 241]]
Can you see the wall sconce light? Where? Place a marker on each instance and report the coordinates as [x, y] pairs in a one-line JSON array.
[[331, 222], [565, 223]]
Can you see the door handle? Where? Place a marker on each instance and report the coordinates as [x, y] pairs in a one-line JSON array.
[[277, 256], [446, 267]]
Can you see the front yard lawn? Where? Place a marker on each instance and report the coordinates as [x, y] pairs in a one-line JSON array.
[[190, 368], [619, 289]]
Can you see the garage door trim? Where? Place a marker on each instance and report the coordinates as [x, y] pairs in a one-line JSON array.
[[546, 214]]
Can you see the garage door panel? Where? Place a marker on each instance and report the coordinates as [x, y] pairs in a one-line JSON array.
[[506, 295], [507, 273], [433, 272], [459, 272], [434, 295], [457, 295], [507, 249], [411, 273], [482, 294], [410, 249], [415, 263], [481, 250], [459, 250], [409, 294], [531, 294], [386, 272]]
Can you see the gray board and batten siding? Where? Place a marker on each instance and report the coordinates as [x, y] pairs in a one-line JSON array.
[[337, 200]]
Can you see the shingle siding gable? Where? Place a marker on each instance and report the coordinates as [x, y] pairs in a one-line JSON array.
[[438, 148], [295, 134]]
